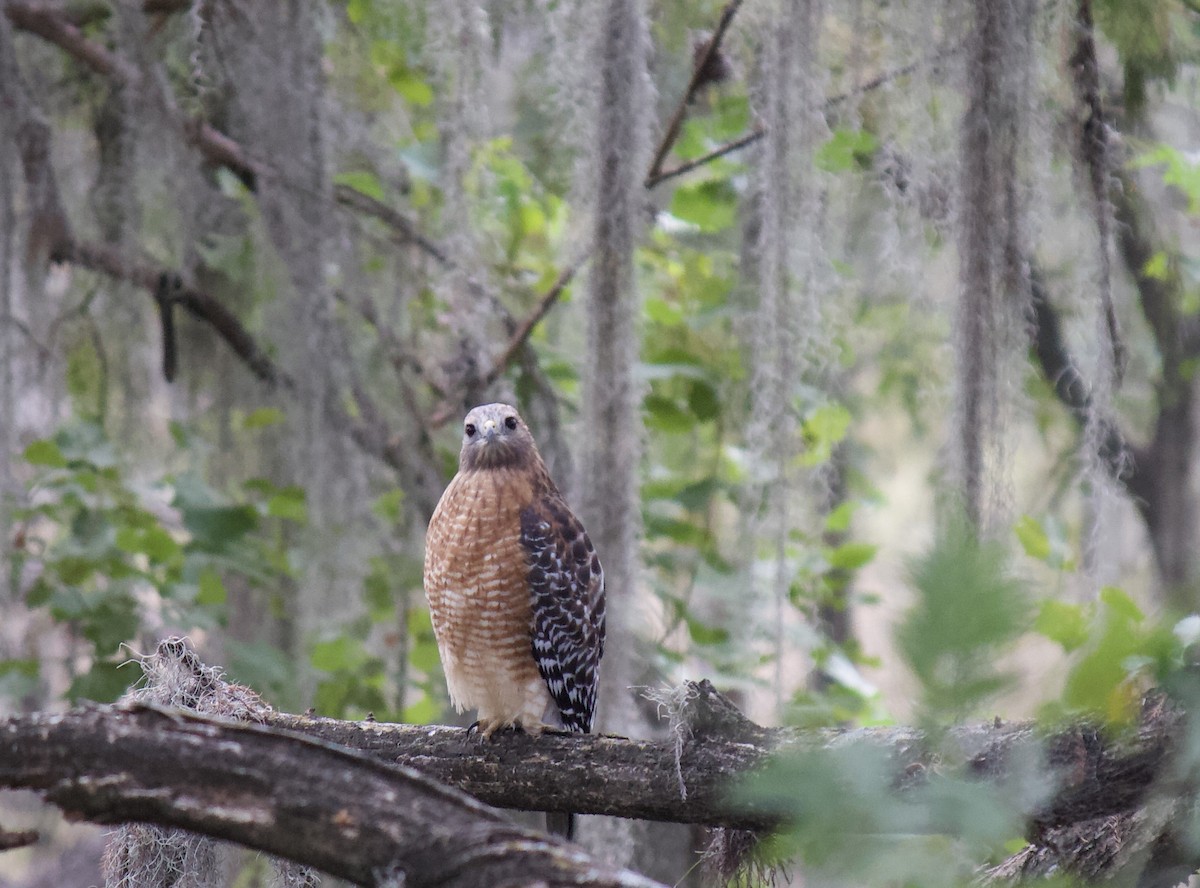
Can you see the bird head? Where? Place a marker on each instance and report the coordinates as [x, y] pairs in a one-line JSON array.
[[495, 436]]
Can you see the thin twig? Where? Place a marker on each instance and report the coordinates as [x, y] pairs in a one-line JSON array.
[[653, 181], [728, 148], [698, 73], [53, 25], [405, 230], [525, 328], [520, 335]]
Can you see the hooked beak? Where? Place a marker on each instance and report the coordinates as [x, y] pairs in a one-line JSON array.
[[489, 430]]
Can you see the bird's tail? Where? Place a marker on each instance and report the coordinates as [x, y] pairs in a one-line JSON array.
[[561, 823]]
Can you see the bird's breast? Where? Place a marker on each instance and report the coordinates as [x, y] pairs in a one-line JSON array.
[[476, 572]]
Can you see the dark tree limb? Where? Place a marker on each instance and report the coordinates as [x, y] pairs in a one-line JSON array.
[[618, 776], [110, 261], [354, 798], [1120, 458], [53, 25], [701, 74], [10, 839], [1094, 153], [1163, 481], [318, 804], [404, 230]]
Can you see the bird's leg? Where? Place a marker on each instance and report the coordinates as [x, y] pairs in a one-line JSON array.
[[489, 726]]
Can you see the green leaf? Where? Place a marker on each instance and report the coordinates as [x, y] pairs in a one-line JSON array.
[[388, 505], [710, 206], [968, 608], [217, 528], [339, 654], [1180, 172], [289, 504], [1157, 267], [18, 678], [263, 417], [702, 633], [838, 521], [1033, 538], [824, 429], [1119, 602], [154, 542], [1063, 623], [412, 86], [45, 452], [103, 683], [845, 150], [211, 589], [664, 415], [852, 556], [703, 401], [362, 181]]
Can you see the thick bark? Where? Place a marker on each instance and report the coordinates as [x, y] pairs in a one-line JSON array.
[[355, 799], [312, 802], [604, 774], [1162, 484]]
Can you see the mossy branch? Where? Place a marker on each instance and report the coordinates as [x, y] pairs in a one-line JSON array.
[[353, 798]]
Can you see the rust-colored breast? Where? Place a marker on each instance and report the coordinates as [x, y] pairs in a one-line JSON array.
[[476, 579]]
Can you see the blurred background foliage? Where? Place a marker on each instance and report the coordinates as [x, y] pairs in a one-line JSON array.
[[410, 188]]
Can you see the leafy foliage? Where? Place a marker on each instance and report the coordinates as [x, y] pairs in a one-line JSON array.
[[119, 564], [969, 608]]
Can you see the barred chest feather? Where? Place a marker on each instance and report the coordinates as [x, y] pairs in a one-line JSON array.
[[516, 593]]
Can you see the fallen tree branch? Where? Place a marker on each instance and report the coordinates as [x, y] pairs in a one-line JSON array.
[[308, 801], [353, 798], [618, 776], [280, 782]]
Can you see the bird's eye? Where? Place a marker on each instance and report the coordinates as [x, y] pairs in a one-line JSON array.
[[470, 430], [510, 422]]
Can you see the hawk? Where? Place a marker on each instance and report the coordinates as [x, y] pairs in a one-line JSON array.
[[515, 587]]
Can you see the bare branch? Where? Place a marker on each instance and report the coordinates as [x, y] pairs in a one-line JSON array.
[[10, 840], [758, 132], [110, 261], [520, 335], [405, 230], [1073, 391], [699, 73], [53, 25], [728, 148], [309, 801]]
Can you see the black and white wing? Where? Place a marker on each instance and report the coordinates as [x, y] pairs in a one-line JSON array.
[[566, 583]]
